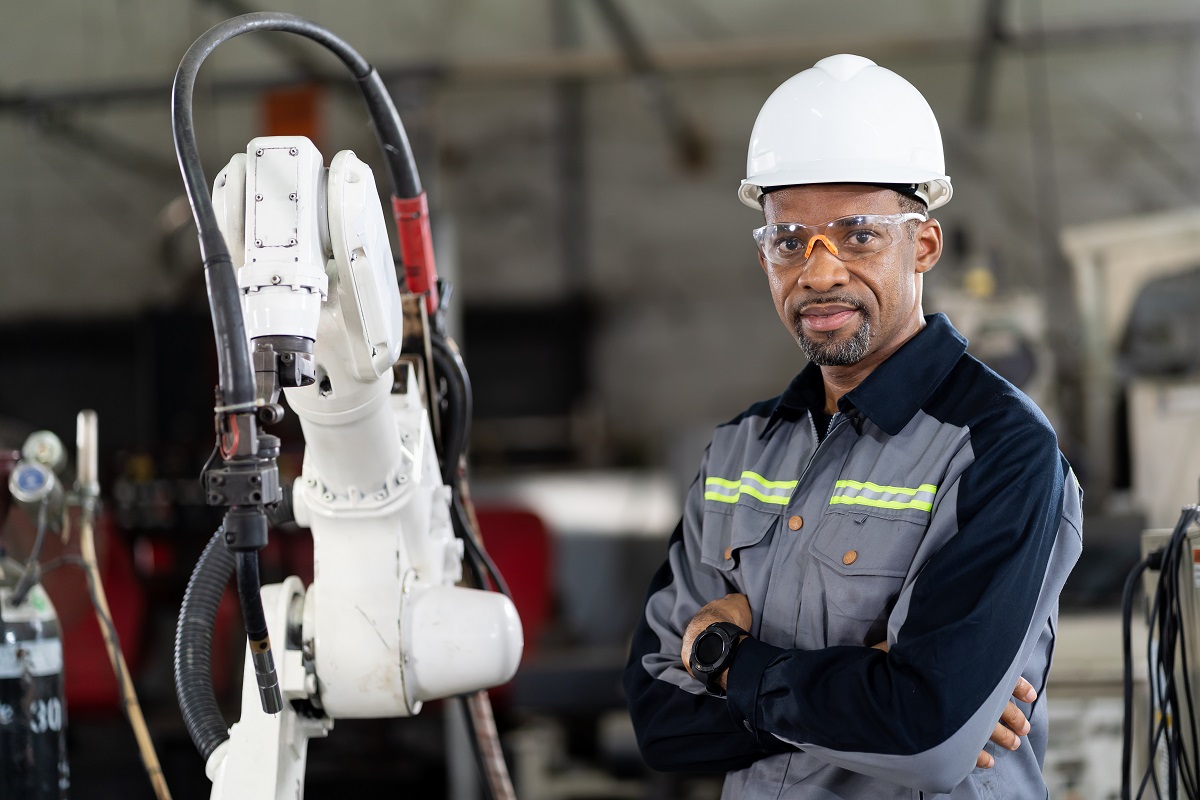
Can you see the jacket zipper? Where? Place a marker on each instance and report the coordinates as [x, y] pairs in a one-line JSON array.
[[834, 421]]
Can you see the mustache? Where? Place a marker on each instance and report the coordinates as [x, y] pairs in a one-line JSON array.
[[826, 299]]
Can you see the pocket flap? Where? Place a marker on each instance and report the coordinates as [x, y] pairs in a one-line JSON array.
[[725, 532], [858, 541]]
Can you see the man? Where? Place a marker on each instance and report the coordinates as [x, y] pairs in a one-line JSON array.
[[869, 563]]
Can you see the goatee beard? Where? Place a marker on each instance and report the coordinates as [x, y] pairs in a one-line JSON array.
[[826, 352]]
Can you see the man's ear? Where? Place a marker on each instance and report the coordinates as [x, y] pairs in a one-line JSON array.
[[928, 245]]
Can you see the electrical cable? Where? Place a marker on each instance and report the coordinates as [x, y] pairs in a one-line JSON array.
[[1127, 652], [451, 373], [469, 535], [193, 646], [1172, 723], [129, 700]]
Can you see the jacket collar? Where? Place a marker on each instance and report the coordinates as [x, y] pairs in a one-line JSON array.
[[895, 391]]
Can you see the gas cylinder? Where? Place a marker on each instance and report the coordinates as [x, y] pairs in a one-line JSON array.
[[33, 711]]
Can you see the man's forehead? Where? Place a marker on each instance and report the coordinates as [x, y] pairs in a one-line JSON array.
[[825, 201]]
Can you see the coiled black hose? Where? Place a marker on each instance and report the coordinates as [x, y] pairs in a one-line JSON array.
[[193, 646]]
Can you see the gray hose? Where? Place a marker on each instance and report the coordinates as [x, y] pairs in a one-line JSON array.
[[193, 646]]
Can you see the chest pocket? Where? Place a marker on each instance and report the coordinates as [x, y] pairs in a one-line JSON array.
[[865, 554], [737, 537]]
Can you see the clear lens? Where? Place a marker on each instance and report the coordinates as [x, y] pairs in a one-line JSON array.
[[859, 236]]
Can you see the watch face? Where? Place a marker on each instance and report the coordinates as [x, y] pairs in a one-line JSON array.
[[709, 647]]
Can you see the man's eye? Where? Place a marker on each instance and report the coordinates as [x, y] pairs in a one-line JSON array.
[[789, 244], [861, 237]]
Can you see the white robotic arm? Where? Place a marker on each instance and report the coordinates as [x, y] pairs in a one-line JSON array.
[[383, 627]]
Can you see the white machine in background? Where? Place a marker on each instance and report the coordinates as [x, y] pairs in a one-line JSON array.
[[383, 627], [305, 300], [1111, 262]]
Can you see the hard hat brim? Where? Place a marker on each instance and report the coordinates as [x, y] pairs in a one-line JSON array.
[[934, 185]]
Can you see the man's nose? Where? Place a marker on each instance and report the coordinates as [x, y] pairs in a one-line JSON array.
[[822, 271]]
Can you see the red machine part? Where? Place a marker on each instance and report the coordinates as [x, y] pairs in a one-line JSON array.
[[416, 247]]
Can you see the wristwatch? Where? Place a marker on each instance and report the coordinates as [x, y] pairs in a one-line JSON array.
[[712, 653]]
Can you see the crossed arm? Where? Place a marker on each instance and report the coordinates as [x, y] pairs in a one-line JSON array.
[[735, 608]]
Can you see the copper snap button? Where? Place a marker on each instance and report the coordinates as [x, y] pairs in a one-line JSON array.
[[850, 557], [728, 553], [796, 522]]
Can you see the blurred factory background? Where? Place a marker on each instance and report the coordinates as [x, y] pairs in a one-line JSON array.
[[581, 158]]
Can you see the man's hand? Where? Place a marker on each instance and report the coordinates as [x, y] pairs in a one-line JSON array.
[[1012, 725], [733, 608]]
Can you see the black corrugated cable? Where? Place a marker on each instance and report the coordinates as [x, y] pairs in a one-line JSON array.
[[1127, 650]]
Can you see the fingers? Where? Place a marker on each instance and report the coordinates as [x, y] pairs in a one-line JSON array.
[[881, 646], [985, 760], [1014, 720], [1024, 691]]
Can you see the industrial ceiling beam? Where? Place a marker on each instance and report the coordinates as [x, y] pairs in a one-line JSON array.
[[685, 135], [697, 58]]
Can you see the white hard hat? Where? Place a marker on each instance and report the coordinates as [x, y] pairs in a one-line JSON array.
[[846, 120]]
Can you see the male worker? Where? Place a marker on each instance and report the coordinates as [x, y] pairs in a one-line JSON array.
[[869, 563]]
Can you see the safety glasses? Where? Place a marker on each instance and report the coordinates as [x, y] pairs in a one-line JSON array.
[[849, 238]]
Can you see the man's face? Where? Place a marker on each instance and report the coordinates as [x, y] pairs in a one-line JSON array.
[[845, 312]]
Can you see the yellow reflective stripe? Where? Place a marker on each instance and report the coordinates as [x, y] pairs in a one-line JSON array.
[[766, 498], [875, 487], [842, 500], [769, 484], [722, 482], [773, 492], [750, 490]]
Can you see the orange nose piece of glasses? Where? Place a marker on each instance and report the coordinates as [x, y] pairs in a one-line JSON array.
[[830, 246]]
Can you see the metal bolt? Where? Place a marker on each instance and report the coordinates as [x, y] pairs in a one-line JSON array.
[[293, 152], [381, 495], [291, 242], [258, 242], [292, 196], [311, 482], [328, 497], [258, 152], [286, 358], [275, 279], [402, 479], [258, 197], [255, 480]]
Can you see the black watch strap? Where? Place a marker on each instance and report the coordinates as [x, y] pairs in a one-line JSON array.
[[712, 653]]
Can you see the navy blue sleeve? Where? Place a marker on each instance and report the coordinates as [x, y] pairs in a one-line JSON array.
[[677, 729]]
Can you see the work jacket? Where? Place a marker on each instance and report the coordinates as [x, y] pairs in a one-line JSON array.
[[938, 514]]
